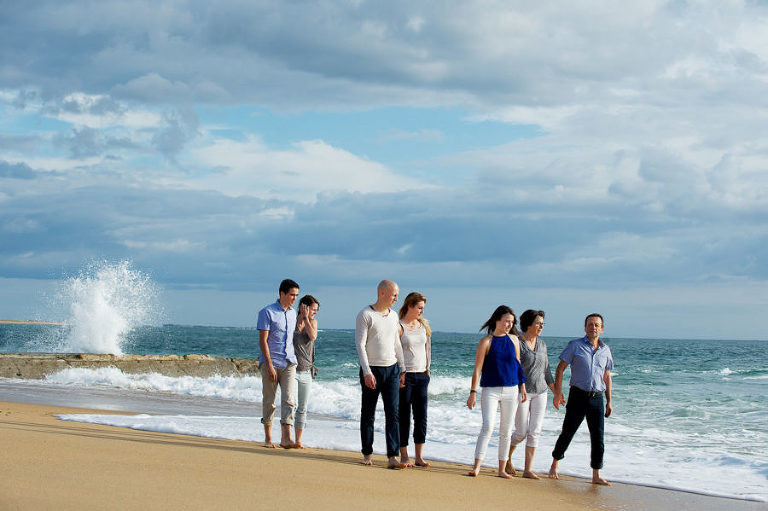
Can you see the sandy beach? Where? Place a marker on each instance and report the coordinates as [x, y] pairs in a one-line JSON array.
[[54, 464]]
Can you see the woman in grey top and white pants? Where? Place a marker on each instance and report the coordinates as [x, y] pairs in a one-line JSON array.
[[538, 376], [304, 346]]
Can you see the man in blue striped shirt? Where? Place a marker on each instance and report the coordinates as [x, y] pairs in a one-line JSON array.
[[277, 362], [591, 363]]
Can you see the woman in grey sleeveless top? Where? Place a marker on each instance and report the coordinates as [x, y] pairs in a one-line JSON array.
[[538, 376], [304, 346]]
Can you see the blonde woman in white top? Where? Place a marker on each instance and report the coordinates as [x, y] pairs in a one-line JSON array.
[[416, 339]]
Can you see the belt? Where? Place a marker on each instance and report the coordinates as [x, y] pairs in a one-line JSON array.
[[590, 393]]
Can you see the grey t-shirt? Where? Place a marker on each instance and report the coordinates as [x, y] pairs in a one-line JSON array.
[[536, 368], [305, 351]]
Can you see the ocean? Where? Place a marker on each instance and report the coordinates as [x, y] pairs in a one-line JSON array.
[[688, 414]]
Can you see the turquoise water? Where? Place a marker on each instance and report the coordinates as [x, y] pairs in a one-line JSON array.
[[688, 414]]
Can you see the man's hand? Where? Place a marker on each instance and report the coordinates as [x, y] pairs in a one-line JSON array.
[[272, 373], [558, 400], [370, 381], [608, 409], [402, 380]]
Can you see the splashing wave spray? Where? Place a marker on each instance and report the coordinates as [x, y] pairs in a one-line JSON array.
[[106, 301]]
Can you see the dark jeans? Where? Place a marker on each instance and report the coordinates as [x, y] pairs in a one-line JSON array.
[[583, 404], [387, 384], [414, 395]]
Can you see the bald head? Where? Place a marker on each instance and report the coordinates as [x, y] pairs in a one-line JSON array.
[[387, 294]]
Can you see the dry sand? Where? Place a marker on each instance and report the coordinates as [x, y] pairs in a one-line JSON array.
[[52, 464]]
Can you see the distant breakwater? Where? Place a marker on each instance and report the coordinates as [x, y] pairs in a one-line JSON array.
[[38, 365]]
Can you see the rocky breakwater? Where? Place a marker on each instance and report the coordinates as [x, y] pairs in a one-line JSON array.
[[38, 365]]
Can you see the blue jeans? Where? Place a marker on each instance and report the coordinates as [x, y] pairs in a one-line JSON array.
[[583, 404], [387, 384], [413, 396]]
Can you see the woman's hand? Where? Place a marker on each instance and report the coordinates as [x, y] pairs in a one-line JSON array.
[[471, 400]]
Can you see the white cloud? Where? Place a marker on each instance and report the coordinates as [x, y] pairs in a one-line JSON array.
[[304, 171]]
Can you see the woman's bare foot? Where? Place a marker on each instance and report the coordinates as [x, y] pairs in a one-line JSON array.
[[596, 479], [509, 469], [270, 445], [530, 475], [405, 460], [421, 463], [298, 445], [394, 464], [503, 474], [472, 473]]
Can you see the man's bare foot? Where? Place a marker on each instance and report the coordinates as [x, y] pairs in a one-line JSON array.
[[509, 469], [287, 445], [298, 445], [394, 464], [530, 475], [269, 445], [503, 474], [553, 471], [600, 481], [472, 473], [421, 463], [367, 460]]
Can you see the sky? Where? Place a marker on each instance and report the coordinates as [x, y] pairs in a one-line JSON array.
[[573, 157]]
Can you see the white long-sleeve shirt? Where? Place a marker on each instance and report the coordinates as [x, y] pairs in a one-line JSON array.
[[377, 339]]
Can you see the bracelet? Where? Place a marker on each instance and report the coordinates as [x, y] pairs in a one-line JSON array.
[[472, 391]]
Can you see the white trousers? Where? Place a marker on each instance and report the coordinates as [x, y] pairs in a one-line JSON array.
[[529, 419], [492, 398]]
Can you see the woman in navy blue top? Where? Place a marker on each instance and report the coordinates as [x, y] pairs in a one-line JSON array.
[[498, 371]]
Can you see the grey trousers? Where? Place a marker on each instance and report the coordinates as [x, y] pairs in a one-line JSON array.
[[286, 380]]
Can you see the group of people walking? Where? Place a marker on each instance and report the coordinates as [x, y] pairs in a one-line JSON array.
[[511, 370]]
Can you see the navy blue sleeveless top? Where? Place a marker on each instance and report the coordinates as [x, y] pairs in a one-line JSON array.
[[501, 367]]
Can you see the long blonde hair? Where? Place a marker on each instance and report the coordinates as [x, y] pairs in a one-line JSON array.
[[410, 301]]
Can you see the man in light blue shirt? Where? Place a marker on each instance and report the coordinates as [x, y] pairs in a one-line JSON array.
[[277, 362], [591, 363]]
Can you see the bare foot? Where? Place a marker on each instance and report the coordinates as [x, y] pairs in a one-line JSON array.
[[553, 471], [367, 461], [503, 474], [600, 481], [394, 464], [287, 445], [298, 445], [421, 463], [405, 460], [472, 473], [509, 469], [270, 445], [530, 475]]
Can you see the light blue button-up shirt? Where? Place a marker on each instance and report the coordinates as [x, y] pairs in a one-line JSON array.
[[587, 365], [280, 323]]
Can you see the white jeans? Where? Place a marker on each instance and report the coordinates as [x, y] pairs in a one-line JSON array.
[[303, 384], [529, 419], [491, 398]]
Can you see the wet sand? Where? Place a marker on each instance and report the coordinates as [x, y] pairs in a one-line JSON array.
[[53, 464]]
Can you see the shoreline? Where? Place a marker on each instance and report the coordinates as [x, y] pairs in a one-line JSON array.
[[29, 322], [227, 474]]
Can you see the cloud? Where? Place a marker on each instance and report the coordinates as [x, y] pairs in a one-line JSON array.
[[598, 147], [16, 171]]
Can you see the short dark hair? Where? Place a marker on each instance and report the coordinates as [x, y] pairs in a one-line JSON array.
[[287, 285], [528, 317], [595, 315]]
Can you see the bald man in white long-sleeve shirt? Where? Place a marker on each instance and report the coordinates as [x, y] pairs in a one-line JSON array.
[[377, 338]]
